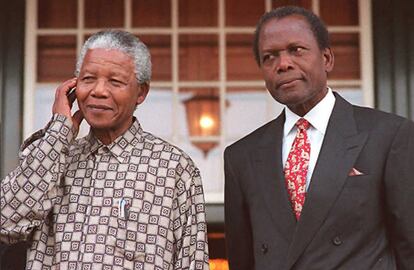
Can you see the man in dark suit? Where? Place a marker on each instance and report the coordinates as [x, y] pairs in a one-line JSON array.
[[326, 185]]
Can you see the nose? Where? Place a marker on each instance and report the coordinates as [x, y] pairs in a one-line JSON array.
[[285, 62], [100, 89]]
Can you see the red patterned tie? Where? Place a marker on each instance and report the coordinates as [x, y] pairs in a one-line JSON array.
[[296, 167]]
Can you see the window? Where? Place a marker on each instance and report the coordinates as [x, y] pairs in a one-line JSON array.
[[202, 57]]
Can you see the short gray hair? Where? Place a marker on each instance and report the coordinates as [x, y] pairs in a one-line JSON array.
[[122, 41]]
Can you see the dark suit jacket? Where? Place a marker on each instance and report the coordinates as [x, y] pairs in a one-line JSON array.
[[348, 222]]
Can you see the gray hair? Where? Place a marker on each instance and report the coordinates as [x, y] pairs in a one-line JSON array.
[[124, 42]]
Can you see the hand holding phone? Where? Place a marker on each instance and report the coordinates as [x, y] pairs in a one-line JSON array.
[[64, 97]]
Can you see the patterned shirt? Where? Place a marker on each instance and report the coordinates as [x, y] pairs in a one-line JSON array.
[[136, 203]]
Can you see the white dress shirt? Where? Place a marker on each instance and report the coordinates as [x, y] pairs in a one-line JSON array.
[[318, 117]]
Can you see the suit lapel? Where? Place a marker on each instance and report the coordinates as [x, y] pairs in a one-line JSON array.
[[267, 160], [340, 149]]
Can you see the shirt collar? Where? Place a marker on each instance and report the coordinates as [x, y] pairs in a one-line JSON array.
[[318, 116], [121, 148]]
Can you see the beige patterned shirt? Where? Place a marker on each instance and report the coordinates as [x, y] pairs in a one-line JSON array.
[[134, 204]]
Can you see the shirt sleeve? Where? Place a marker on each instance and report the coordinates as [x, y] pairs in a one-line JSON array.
[[190, 228], [27, 194]]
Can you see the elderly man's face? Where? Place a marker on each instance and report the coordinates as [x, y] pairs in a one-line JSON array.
[[293, 66], [107, 90]]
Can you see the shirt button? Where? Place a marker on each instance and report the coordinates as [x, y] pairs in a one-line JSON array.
[[337, 241], [129, 256], [265, 248]]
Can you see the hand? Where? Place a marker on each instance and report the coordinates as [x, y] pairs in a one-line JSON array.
[[63, 106]]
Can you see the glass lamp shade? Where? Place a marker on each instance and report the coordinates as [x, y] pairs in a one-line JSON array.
[[203, 120]]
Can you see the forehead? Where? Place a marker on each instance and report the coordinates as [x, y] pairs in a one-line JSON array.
[[293, 28], [108, 57]]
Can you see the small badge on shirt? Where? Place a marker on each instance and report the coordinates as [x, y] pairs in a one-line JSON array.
[[123, 207]]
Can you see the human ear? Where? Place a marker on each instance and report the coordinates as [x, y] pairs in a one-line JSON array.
[[143, 92], [329, 59]]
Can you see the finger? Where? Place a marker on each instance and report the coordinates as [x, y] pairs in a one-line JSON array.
[[65, 87], [61, 104], [71, 83]]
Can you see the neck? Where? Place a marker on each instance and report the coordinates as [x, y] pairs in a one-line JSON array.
[[303, 108], [107, 136]]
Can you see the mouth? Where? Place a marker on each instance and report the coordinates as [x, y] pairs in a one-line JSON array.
[[287, 82], [98, 107]]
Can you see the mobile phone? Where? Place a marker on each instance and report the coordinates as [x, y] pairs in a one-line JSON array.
[[71, 95]]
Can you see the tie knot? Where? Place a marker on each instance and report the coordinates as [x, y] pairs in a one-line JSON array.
[[302, 124]]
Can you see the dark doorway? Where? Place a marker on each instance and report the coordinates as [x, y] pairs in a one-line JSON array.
[[12, 22]]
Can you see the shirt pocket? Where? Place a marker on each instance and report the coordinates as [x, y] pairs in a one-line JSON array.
[[131, 233]]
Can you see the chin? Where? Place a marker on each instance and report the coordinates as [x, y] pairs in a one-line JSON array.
[[98, 124], [286, 99]]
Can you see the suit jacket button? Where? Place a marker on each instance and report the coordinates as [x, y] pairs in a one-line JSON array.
[[264, 248], [337, 241]]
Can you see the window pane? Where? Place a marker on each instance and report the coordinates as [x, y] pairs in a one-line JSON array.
[[156, 13], [240, 60], [198, 57], [44, 96], [353, 95], [248, 106], [57, 14], [339, 12], [104, 13], [301, 3], [160, 49], [197, 13], [346, 51], [56, 58], [244, 13], [156, 113]]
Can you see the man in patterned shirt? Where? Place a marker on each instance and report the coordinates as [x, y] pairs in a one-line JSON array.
[[120, 198]]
